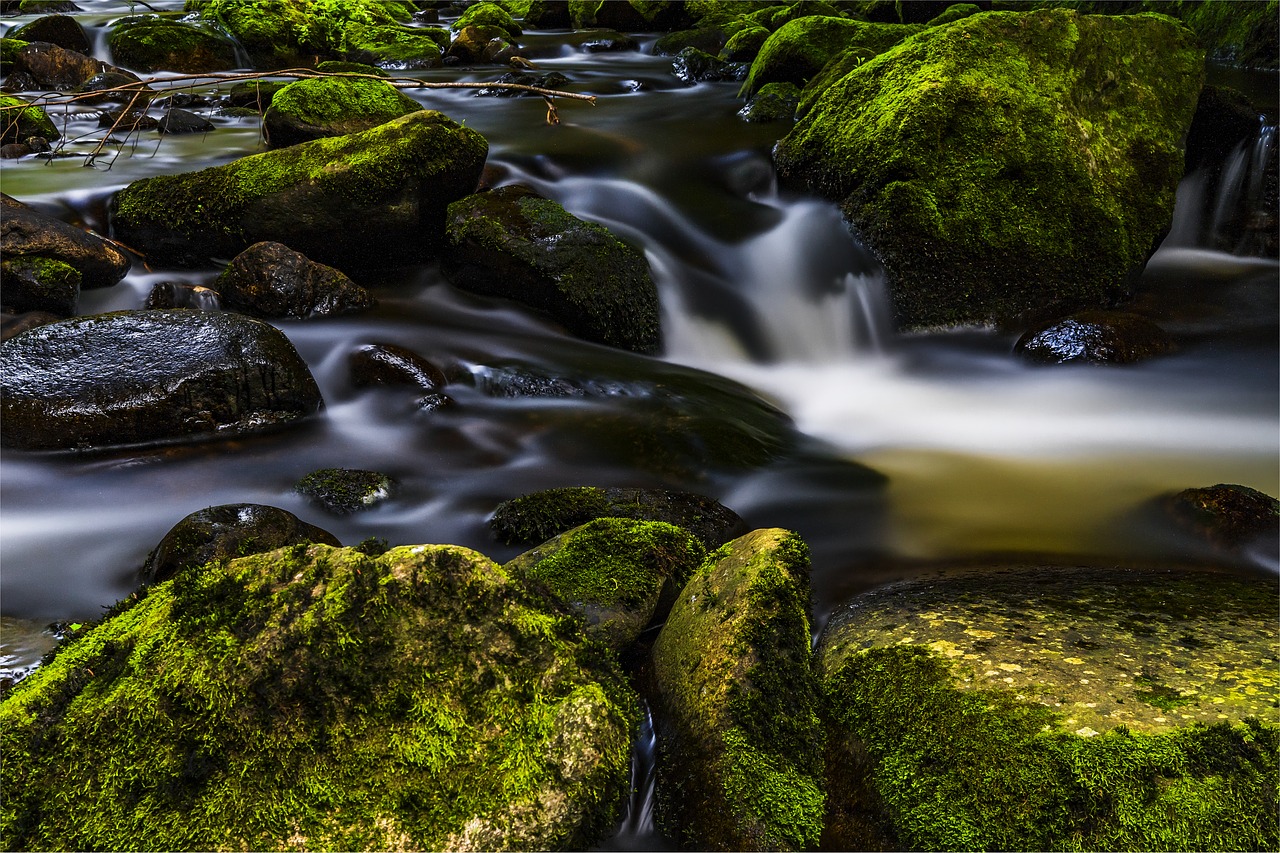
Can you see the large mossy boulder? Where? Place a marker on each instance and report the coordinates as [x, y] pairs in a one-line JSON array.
[[62, 30], [513, 243], [620, 575], [1008, 165], [27, 233], [153, 43], [315, 697], [365, 200], [741, 764], [139, 377], [1051, 708], [331, 106], [800, 48]]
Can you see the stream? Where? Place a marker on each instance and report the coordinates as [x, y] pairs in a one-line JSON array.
[[777, 338]]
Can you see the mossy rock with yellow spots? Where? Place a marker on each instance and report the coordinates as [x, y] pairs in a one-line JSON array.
[[1054, 708], [318, 698]]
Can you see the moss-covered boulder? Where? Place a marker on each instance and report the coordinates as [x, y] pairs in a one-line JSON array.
[[1094, 337], [620, 575], [744, 45], [488, 15], [20, 120], [138, 377], [321, 698], [32, 283], [62, 30], [741, 764], [541, 515], [153, 43], [271, 280], [27, 233], [801, 47], [222, 533], [1008, 164], [1049, 708], [331, 106], [513, 243], [368, 199], [774, 102], [479, 43], [628, 16], [346, 490]]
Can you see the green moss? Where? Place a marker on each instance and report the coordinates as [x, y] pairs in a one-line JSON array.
[[20, 120], [488, 15], [281, 700], [800, 48], [965, 769], [344, 490], [32, 283], [333, 106], [774, 102], [9, 50], [538, 517], [954, 13], [152, 43]]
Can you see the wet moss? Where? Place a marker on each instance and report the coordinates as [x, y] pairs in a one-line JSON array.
[[32, 283], [332, 106], [345, 490], [152, 43], [9, 50], [488, 15], [20, 120], [280, 700]]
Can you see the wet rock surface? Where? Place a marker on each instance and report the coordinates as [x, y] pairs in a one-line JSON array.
[[26, 232], [39, 284], [345, 490], [1226, 515], [61, 30], [331, 106], [1095, 337], [136, 377], [271, 280]]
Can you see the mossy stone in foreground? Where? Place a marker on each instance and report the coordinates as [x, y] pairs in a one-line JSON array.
[[319, 698], [331, 106], [1050, 708], [32, 283], [741, 761], [1009, 164]]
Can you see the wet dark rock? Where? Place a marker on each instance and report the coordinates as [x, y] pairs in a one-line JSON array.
[[26, 232], [256, 94], [225, 533], [370, 199], [607, 41], [136, 97], [331, 106], [14, 150], [1095, 337], [342, 491], [185, 101], [273, 281], [19, 81], [523, 382], [481, 44], [541, 515], [137, 377], [180, 294], [1227, 516], [62, 30], [23, 122], [774, 102], [707, 39], [513, 243], [389, 364], [548, 15], [126, 121], [1224, 119], [53, 67], [15, 324], [692, 65], [31, 283], [150, 43], [550, 80], [183, 121]]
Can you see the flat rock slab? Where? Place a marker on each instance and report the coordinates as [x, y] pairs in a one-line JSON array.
[[1150, 650]]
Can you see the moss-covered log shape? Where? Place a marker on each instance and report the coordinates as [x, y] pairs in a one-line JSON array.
[[513, 243], [365, 200], [614, 572], [741, 766], [331, 106], [320, 698], [152, 43], [1050, 708], [139, 377], [800, 48], [1009, 164]]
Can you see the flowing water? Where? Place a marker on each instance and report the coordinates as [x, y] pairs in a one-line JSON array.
[[781, 382]]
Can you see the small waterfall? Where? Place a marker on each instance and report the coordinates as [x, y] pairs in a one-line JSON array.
[[636, 830]]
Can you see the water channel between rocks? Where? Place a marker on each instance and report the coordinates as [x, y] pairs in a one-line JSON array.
[[768, 304]]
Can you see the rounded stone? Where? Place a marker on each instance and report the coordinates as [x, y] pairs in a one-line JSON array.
[[1095, 337], [273, 281], [345, 490], [389, 364]]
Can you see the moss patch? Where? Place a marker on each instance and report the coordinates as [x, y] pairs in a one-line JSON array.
[[801, 47], [20, 120], [332, 106]]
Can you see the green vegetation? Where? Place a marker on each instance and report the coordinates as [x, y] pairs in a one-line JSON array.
[[20, 120], [151, 43], [332, 106], [33, 283], [488, 15], [345, 490], [800, 48]]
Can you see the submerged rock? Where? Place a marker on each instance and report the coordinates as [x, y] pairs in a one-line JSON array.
[[271, 280], [1045, 707], [1226, 515], [368, 199], [135, 377], [345, 490], [1008, 165], [152, 43], [513, 243], [331, 106], [541, 515], [692, 66], [1095, 337], [221, 533], [27, 233], [742, 763], [319, 697], [618, 574]]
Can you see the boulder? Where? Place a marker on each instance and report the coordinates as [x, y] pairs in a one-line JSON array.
[[137, 377], [369, 199], [26, 232], [151, 43], [744, 45], [21, 121], [254, 94], [1094, 337], [183, 294], [710, 39], [137, 97], [271, 280], [1008, 165], [62, 30], [183, 121], [388, 364], [741, 752], [53, 67], [32, 283], [1224, 119], [342, 491], [221, 533], [331, 106], [618, 574], [479, 43], [15, 324], [1051, 707], [513, 243], [1228, 516], [692, 66], [801, 47], [550, 80], [487, 14], [548, 15], [318, 697], [541, 515], [631, 16], [774, 102]]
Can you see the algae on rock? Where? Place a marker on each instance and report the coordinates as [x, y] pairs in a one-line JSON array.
[[1007, 165], [316, 697], [331, 106]]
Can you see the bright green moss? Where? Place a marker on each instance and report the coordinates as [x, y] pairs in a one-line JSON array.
[[20, 120], [321, 698], [488, 15], [335, 106], [801, 47], [9, 50], [151, 43]]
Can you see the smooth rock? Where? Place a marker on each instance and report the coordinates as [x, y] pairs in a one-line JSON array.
[[1095, 337], [62, 30], [389, 364], [26, 232], [272, 281]]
